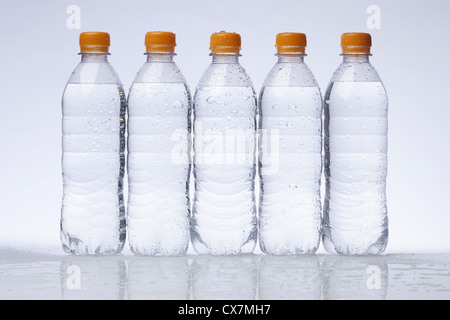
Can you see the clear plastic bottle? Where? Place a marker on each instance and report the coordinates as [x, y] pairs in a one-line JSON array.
[[158, 153], [93, 143], [290, 162], [224, 210], [356, 109]]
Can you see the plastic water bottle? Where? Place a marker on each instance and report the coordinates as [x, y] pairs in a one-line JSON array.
[[93, 142], [224, 210], [290, 153], [158, 153], [356, 109]]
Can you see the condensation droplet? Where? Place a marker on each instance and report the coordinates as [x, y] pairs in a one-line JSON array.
[[177, 104]]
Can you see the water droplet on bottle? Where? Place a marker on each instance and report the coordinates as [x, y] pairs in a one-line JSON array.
[[210, 100]]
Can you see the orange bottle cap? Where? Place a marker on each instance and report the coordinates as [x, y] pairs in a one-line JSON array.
[[225, 42], [291, 42], [356, 42], [160, 41], [95, 42]]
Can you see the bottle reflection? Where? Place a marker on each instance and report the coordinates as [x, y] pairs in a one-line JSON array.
[[85, 278], [327, 277], [349, 278], [223, 278], [289, 278], [158, 278]]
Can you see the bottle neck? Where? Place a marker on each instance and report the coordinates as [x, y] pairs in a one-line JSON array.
[[225, 58], [94, 57], [291, 57], [166, 57], [356, 57]]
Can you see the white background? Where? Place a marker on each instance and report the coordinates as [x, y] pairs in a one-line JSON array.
[[38, 53]]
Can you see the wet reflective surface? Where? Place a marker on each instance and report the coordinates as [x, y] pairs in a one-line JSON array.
[[397, 276]]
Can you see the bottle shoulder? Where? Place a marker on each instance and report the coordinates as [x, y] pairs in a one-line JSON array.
[[225, 75], [355, 72], [357, 82], [94, 73], [355, 77], [290, 75], [159, 72]]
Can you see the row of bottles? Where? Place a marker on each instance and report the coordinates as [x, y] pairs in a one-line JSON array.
[[225, 136]]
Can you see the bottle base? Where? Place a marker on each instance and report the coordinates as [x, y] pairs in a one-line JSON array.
[[203, 249], [152, 252], [288, 251], [376, 248], [77, 247]]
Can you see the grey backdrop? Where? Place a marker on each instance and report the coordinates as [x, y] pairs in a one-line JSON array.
[[39, 51]]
